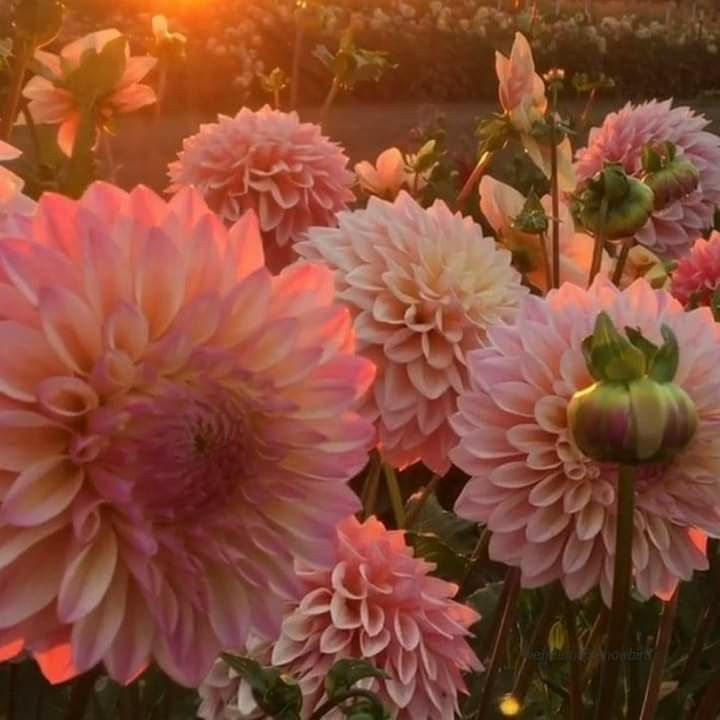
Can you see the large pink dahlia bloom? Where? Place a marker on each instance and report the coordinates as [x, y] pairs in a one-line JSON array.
[[52, 103], [287, 171], [621, 139], [176, 426], [550, 509], [379, 603], [697, 275], [424, 286]]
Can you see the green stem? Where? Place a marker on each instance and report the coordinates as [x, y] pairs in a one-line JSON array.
[[21, 60], [622, 260], [297, 56], [620, 608], [329, 100], [32, 129], [396, 499], [537, 642], [547, 269], [506, 617], [371, 485], [475, 176], [705, 627], [660, 656], [419, 504], [555, 199], [80, 695], [576, 701], [592, 646], [478, 554], [340, 698]]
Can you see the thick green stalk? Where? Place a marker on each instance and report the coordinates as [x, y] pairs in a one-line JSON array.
[[555, 199], [396, 499], [620, 608], [662, 649]]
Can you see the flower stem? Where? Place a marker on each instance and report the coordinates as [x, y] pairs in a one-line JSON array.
[[506, 611], [329, 100], [22, 57], [555, 199], [576, 701], [479, 553], [705, 627], [371, 485], [419, 504], [590, 651], [547, 269], [662, 649], [599, 243], [622, 576], [297, 57], [475, 176], [622, 260], [396, 499], [550, 610], [340, 698], [80, 695]]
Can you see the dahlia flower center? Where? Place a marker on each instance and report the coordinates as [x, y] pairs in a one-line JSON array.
[[194, 449]]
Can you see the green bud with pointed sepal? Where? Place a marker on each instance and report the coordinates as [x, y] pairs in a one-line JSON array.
[[615, 205], [634, 414], [670, 177]]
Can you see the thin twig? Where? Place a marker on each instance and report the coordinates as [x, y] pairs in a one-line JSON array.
[[371, 485], [537, 642], [396, 499], [419, 504], [479, 553], [662, 649], [592, 646], [622, 260], [575, 699], [555, 199], [478, 171], [506, 615]]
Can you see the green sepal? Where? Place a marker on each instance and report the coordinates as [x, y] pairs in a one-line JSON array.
[[532, 218], [610, 356], [344, 674], [664, 365]]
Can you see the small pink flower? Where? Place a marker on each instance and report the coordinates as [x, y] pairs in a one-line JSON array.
[[551, 509], [380, 603], [287, 171], [176, 427], [52, 104], [621, 139], [423, 285], [697, 275], [387, 177], [501, 205], [522, 96]]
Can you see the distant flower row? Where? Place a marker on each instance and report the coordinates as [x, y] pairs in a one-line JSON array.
[[668, 54]]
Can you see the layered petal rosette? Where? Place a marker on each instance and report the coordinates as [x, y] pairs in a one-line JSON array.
[[380, 603], [696, 279], [287, 171], [424, 285], [550, 509], [176, 427], [622, 138]]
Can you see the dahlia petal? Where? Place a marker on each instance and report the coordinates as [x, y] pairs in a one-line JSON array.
[[41, 492], [27, 436], [56, 661], [228, 611]]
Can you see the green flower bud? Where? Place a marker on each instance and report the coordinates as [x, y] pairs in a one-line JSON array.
[[615, 205], [532, 219], [634, 413], [669, 177], [557, 637]]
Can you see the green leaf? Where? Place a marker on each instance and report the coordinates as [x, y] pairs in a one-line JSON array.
[[459, 534], [449, 564], [98, 72], [367, 711], [485, 602], [345, 673], [665, 362], [252, 671]]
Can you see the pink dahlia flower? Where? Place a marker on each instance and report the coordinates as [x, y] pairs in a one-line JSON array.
[[51, 103], [502, 204], [551, 510], [424, 286], [287, 171], [697, 275], [176, 427], [379, 603], [621, 139]]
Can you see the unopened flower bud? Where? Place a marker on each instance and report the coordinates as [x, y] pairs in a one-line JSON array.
[[634, 413], [670, 177], [615, 205]]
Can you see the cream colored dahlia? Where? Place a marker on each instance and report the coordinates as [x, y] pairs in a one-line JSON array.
[[177, 426], [268, 161], [550, 509], [424, 286]]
